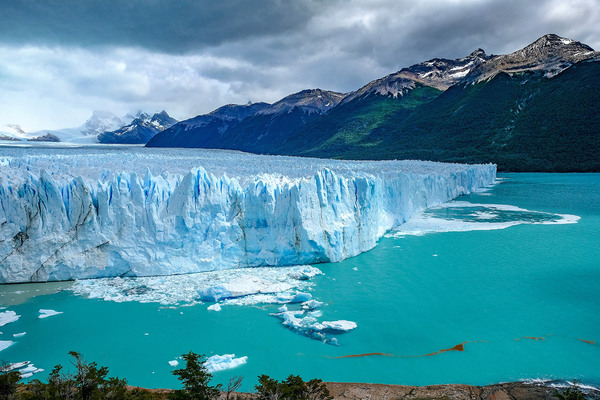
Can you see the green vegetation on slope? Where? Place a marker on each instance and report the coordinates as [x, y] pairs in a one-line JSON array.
[[350, 126], [523, 122]]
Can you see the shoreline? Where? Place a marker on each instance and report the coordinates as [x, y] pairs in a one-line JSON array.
[[535, 390]]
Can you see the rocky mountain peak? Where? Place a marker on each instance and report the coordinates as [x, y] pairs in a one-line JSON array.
[[550, 54], [309, 100]]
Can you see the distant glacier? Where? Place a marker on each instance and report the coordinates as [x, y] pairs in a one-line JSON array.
[[73, 213]]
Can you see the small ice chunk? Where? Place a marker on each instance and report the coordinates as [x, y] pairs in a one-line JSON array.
[[341, 325], [173, 363], [282, 309], [305, 272], [226, 361], [214, 293], [48, 313], [5, 344], [27, 375], [7, 317], [13, 366], [214, 307], [27, 369], [299, 297], [355, 269], [19, 334], [311, 305]]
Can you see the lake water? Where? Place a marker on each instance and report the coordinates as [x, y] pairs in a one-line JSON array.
[[521, 303]]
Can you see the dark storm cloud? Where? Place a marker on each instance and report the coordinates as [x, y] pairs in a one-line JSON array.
[[162, 25]]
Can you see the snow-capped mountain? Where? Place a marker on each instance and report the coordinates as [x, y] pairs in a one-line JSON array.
[[140, 130], [550, 54], [440, 73], [316, 101], [102, 121], [264, 125], [205, 129], [12, 132]]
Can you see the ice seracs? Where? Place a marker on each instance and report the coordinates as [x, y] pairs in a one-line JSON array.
[[201, 211]]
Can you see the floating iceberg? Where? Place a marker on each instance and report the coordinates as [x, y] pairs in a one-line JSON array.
[[6, 317], [173, 363], [132, 212], [226, 361], [48, 313], [4, 344], [19, 334], [214, 307], [305, 323]]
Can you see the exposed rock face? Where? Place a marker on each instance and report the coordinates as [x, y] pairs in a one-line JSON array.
[[48, 137], [140, 130], [310, 100], [501, 391], [550, 53], [440, 73]]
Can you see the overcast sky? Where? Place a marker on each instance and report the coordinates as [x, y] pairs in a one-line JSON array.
[[62, 59]]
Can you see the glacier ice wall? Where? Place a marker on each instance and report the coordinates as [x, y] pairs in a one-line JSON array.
[[66, 215]]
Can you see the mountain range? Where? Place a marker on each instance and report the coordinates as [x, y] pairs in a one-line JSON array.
[[536, 109], [101, 127]]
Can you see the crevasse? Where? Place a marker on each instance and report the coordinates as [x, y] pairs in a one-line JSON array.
[[54, 227]]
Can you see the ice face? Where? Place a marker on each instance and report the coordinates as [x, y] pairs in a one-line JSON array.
[[73, 214]]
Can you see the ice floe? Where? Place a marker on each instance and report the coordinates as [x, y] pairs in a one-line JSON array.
[[235, 286], [462, 216], [19, 334], [214, 307], [29, 370], [6, 317], [305, 323], [173, 363], [4, 344], [222, 362], [44, 313]]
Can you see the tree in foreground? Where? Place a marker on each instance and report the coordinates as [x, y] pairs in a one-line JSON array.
[[9, 381], [293, 388], [195, 379]]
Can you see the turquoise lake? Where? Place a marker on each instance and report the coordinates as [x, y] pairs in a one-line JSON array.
[[521, 302]]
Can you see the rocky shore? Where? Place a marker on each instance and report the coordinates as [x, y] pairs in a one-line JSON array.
[[372, 391]]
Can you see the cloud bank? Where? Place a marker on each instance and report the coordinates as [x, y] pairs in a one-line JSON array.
[[63, 59]]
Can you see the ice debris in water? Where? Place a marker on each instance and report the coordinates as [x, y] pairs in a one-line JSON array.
[[173, 363], [6, 317], [160, 212], [235, 286], [4, 344], [460, 216], [226, 361], [19, 334], [305, 323], [214, 307], [48, 313], [29, 370]]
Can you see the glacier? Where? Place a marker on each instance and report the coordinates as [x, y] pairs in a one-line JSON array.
[[92, 212]]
